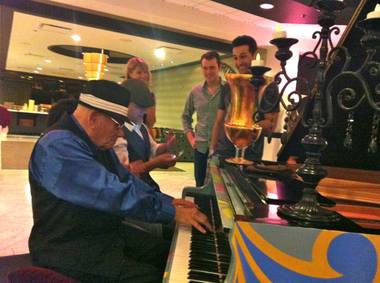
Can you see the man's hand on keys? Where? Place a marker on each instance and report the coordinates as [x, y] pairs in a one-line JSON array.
[[188, 213], [184, 203]]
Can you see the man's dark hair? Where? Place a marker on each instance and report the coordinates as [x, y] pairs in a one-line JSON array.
[[62, 107], [211, 55], [245, 40]]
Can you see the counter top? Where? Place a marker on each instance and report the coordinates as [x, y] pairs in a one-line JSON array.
[[28, 111]]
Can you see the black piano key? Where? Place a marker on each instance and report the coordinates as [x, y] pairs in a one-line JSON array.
[[196, 237], [209, 269], [202, 250], [210, 259], [203, 246], [203, 261], [211, 245], [211, 262], [210, 252], [200, 267], [207, 235], [200, 263], [199, 252], [203, 254], [203, 240], [205, 258], [204, 276]]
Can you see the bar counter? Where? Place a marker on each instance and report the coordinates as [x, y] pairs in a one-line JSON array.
[[26, 122]]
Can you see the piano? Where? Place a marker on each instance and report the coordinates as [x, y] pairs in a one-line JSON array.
[[251, 243]]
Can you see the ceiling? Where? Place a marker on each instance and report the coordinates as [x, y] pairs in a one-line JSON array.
[[185, 27], [298, 11], [31, 36]]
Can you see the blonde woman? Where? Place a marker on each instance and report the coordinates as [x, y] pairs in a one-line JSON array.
[[138, 69]]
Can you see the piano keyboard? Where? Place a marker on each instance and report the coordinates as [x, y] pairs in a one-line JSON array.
[[201, 257]]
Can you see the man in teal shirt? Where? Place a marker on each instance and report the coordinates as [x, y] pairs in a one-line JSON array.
[[204, 100]]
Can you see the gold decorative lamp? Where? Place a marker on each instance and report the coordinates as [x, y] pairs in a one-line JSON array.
[[240, 127], [94, 65]]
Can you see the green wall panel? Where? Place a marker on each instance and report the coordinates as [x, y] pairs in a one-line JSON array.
[[172, 87]]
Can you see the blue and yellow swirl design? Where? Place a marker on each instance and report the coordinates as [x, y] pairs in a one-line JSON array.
[[335, 257]]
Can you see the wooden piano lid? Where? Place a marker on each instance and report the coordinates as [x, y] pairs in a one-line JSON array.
[[357, 197], [357, 194]]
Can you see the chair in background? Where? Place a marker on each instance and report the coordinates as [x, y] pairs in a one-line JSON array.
[[5, 120]]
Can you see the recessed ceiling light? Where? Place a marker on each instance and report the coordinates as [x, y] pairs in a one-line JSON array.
[[48, 61], [75, 37], [39, 68], [80, 77], [160, 53], [36, 72], [266, 6]]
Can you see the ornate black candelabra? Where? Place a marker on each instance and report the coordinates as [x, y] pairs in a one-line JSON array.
[[367, 76], [257, 81], [258, 76]]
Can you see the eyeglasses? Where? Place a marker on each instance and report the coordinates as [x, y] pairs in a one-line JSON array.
[[118, 125]]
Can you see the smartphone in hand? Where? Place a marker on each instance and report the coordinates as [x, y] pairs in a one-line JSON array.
[[180, 154]]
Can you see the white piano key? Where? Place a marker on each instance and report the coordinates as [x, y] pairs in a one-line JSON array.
[[181, 258]]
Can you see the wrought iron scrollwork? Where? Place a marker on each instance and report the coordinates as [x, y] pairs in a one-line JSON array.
[[373, 147], [360, 86]]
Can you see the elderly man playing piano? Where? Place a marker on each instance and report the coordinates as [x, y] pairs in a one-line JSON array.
[[81, 194]]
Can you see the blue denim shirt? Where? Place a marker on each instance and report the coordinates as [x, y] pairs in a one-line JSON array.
[[65, 165]]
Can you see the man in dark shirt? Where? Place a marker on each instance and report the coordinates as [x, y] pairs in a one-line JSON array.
[[244, 50]]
